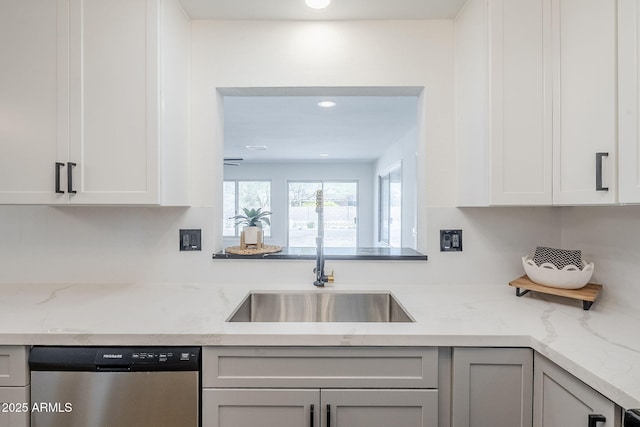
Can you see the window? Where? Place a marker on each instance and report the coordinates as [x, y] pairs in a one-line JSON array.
[[340, 213], [390, 208], [239, 194]]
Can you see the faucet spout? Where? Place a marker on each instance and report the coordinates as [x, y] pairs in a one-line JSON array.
[[319, 270], [321, 277]]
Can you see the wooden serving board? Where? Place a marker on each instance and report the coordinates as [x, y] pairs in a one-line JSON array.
[[587, 294]]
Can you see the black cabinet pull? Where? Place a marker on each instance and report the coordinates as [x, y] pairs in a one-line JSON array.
[[311, 416], [599, 157], [58, 166], [596, 418], [70, 166], [328, 415]]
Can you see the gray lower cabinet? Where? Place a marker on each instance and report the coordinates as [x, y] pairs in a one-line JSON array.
[[319, 407], [561, 400], [14, 387], [379, 408], [492, 387], [319, 387], [14, 406], [260, 407]]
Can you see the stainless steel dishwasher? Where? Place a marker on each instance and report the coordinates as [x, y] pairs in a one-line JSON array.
[[115, 386]]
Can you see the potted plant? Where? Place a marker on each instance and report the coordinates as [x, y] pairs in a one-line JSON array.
[[252, 221]]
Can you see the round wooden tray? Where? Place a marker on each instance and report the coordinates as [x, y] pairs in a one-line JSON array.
[[266, 249]]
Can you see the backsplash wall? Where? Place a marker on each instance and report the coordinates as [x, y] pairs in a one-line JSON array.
[[610, 237], [137, 244], [126, 244], [130, 244]]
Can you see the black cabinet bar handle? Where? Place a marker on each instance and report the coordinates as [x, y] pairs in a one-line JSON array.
[[311, 416], [596, 418], [58, 166], [328, 415], [70, 166], [599, 157]]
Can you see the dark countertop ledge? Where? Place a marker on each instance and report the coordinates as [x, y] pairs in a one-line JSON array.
[[379, 254]]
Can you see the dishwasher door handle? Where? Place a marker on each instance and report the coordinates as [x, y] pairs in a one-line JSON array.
[[113, 369]]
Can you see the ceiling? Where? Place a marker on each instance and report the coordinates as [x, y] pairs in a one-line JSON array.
[[295, 128], [337, 10]]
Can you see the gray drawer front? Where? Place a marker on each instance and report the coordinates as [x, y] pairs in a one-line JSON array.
[[320, 367], [13, 366], [14, 414]]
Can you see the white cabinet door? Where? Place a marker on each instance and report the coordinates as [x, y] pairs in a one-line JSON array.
[[81, 85], [492, 387], [520, 107], [628, 101], [561, 400], [503, 103], [114, 101], [260, 407], [379, 408], [584, 101], [33, 98]]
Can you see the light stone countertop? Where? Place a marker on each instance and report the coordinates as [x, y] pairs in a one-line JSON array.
[[600, 346]]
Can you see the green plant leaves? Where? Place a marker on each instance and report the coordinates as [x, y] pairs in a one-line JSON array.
[[252, 217]]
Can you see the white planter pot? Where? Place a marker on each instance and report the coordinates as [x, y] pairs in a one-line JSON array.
[[252, 235]]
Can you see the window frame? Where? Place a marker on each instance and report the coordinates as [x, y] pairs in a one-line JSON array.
[[236, 202], [322, 185], [386, 178]]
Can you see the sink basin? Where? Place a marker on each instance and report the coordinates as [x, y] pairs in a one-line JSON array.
[[320, 307]]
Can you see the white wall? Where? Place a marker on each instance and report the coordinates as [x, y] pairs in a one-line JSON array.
[[336, 54], [610, 237], [280, 173], [119, 245], [125, 244]]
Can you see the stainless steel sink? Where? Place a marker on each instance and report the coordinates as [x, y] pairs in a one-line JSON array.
[[320, 307]]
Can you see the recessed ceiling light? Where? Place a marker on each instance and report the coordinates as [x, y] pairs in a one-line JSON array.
[[326, 104], [317, 4], [256, 147], [324, 155]]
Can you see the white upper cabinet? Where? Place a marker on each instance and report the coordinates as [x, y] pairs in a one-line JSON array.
[[628, 101], [537, 102], [34, 98], [120, 52], [503, 103], [113, 127], [128, 103], [584, 101], [114, 101]]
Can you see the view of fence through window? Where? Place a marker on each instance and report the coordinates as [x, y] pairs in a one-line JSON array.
[[340, 213], [244, 194]]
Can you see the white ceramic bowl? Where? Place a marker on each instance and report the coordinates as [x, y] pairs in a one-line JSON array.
[[547, 274]]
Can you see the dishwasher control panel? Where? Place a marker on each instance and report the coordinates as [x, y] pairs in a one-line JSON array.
[[116, 358], [144, 358]]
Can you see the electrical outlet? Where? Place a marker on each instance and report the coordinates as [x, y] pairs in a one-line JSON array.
[[191, 240], [450, 240]]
